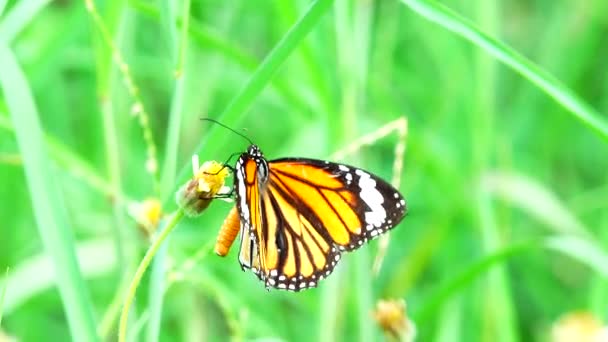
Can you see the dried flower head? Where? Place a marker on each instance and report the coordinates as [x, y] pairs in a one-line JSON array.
[[207, 183], [579, 326], [147, 214], [392, 318]]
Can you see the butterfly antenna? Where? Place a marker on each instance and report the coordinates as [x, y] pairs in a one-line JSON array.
[[230, 129]]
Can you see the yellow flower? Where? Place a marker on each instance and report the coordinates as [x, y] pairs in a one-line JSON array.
[[206, 185]]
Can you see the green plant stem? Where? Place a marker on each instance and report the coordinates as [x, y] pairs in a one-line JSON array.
[[106, 325], [50, 214], [113, 162], [157, 292], [141, 269], [497, 324], [158, 279], [442, 15], [5, 285], [2, 6], [129, 82], [167, 14], [177, 105]]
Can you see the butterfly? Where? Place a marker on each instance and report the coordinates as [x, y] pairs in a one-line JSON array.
[[296, 216]]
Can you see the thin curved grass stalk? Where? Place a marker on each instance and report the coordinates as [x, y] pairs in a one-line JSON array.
[[141, 269], [137, 108], [400, 127], [72, 163], [104, 328], [169, 167], [467, 275], [180, 271], [192, 198], [138, 326]]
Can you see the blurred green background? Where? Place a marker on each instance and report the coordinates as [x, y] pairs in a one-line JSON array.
[[507, 188]]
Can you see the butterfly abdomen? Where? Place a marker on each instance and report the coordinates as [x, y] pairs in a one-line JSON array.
[[227, 233]]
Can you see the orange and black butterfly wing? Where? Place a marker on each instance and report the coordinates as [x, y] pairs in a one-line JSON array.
[[350, 204], [248, 187], [309, 212]]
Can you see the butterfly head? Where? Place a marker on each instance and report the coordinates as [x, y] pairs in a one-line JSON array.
[[254, 152], [252, 165]]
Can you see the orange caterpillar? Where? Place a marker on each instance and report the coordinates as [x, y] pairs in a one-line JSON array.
[[227, 233]]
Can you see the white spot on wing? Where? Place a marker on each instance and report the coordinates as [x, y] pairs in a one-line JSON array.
[[343, 168], [373, 198]]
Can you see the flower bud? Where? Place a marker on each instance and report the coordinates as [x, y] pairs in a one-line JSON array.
[[147, 214], [207, 183], [392, 318]]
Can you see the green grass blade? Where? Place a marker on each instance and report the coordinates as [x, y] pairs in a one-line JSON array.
[[157, 292], [2, 6], [158, 278], [168, 17], [583, 250], [208, 38], [19, 17], [51, 216], [177, 108], [72, 163], [465, 278], [450, 20], [536, 199], [497, 320], [2, 295], [96, 260], [450, 320], [580, 249], [262, 76], [273, 61]]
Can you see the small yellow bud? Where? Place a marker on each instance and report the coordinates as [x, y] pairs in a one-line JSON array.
[[392, 318], [147, 214], [579, 326]]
